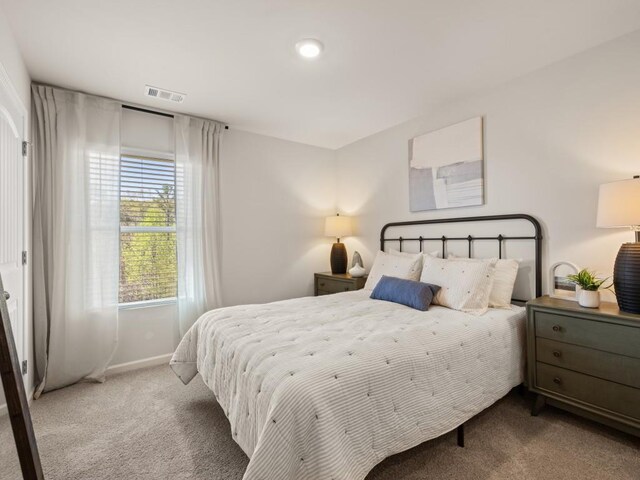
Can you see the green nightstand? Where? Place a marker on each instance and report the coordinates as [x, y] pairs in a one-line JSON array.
[[327, 283], [585, 360]]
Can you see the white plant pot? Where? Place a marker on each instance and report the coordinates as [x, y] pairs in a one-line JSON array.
[[589, 298]]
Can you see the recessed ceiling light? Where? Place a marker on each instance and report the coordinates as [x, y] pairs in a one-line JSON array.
[[309, 47]]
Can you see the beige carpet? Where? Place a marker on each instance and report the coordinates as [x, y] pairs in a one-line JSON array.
[[147, 425]]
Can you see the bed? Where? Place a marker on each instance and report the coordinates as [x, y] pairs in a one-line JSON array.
[[327, 387]]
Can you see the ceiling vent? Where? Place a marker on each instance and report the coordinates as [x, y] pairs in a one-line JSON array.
[[162, 94]]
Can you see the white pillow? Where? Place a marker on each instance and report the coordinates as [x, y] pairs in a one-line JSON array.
[[415, 273], [435, 253], [504, 279], [393, 251], [400, 266], [464, 286]]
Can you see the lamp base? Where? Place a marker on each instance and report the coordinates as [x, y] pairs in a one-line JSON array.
[[338, 258], [626, 277]]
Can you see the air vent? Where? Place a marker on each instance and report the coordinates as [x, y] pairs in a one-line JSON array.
[[162, 94]]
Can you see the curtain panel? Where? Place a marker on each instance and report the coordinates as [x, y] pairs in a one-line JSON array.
[[197, 217], [76, 155]]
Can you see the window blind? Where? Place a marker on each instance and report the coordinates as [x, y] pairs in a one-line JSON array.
[[147, 229]]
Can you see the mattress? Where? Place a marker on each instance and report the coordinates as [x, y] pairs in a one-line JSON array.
[[327, 387]]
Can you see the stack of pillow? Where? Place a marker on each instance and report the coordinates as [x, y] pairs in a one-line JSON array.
[[465, 284]]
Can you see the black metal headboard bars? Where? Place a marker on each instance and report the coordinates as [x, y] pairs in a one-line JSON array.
[[536, 237]]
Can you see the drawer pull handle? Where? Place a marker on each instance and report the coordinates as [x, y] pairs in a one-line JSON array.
[[557, 328], [557, 380], [346, 289], [322, 284], [557, 354]]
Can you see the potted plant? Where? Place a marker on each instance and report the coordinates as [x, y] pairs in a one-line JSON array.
[[589, 295]]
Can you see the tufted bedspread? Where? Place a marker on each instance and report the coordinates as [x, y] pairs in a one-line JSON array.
[[327, 387]]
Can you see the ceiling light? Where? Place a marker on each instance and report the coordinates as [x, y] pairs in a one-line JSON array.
[[309, 47]]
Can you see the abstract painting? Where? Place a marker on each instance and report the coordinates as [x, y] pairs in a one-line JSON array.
[[446, 167]]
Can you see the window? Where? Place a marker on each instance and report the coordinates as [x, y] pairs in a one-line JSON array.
[[148, 268]]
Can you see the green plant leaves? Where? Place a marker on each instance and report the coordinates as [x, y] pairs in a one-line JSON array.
[[587, 280]]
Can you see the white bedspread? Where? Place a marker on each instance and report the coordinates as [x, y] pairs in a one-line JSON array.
[[327, 387]]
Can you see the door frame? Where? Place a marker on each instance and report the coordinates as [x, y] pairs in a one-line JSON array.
[[27, 331]]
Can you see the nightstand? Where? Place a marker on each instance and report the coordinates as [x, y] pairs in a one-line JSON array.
[[585, 360], [327, 282]]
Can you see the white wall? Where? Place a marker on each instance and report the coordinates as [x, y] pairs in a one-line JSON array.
[[11, 60], [11, 63], [145, 333], [550, 139], [274, 197]]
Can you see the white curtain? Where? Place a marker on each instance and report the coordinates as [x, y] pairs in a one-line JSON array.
[[76, 150], [197, 217]]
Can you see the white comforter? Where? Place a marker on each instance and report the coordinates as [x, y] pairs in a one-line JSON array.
[[327, 387]]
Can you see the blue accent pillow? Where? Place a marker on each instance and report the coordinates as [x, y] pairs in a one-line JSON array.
[[413, 294]]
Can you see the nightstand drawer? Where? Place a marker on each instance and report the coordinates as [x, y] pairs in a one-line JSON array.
[[327, 286], [590, 390], [327, 283], [608, 366], [578, 331]]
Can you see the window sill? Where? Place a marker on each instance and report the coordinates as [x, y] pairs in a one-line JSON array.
[[147, 304]]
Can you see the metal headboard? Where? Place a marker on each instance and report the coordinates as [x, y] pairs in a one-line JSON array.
[[536, 237]]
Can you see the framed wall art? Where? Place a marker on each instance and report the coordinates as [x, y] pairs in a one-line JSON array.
[[446, 167]]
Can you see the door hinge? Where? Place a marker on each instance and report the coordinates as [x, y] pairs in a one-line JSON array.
[[25, 367], [24, 258], [25, 148]]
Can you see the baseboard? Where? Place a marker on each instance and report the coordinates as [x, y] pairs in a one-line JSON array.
[[135, 365], [112, 370]]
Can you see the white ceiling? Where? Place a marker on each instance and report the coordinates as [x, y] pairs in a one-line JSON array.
[[385, 61]]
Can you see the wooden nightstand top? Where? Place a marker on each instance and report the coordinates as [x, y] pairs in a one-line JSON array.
[[608, 309], [342, 276]]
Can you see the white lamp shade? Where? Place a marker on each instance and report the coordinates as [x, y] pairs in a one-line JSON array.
[[337, 226], [619, 204]]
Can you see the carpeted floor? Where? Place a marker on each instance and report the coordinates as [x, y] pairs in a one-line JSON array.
[[147, 425]]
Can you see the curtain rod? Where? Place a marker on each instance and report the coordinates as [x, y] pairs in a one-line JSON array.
[[155, 112], [144, 110], [128, 105]]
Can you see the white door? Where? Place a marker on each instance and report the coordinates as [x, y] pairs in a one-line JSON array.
[[12, 212]]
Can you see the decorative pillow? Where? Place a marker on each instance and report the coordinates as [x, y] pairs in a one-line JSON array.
[[393, 266], [393, 251], [413, 294], [504, 279], [464, 286], [415, 274]]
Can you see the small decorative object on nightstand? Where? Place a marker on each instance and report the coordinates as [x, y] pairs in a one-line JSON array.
[[559, 285], [585, 360], [338, 227], [326, 283], [589, 293], [619, 206], [357, 266]]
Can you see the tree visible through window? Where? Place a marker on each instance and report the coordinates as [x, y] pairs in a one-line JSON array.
[[148, 269]]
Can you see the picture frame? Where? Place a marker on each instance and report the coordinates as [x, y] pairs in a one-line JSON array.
[[446, 167], [559, 286]]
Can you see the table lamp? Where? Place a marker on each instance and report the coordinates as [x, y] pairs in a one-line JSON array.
[[619, 206], [338, 227]]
